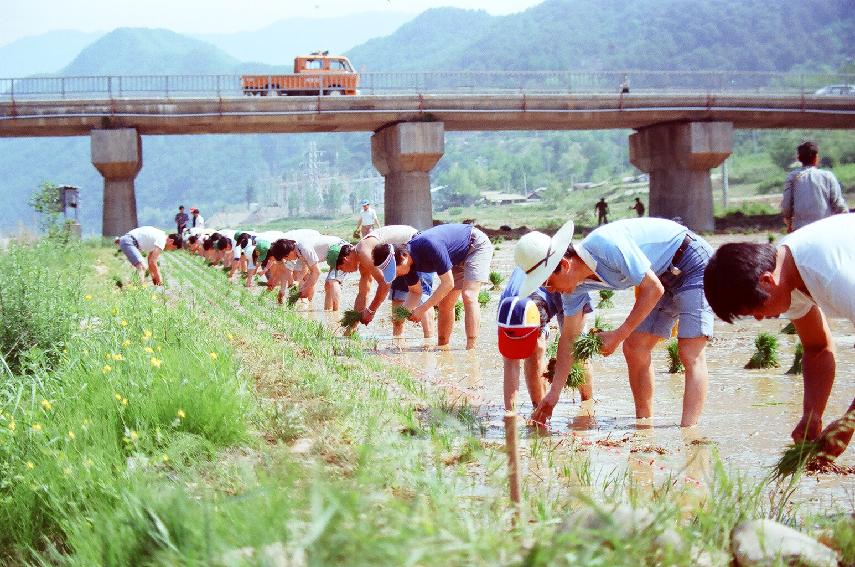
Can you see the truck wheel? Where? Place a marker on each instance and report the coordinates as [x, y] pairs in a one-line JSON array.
[[334, 92]]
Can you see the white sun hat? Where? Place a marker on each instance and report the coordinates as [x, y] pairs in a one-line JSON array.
[[538, 255]]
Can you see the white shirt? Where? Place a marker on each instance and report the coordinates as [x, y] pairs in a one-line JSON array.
[[392, 234], [369, 217], [824, 253], [199, 221], [149, 238], [310, 252]]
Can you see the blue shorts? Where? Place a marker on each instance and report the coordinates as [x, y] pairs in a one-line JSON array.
[[684, 298], [400, 290], [129, 246]]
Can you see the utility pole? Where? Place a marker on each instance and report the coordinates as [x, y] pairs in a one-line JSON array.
[[724, 183]]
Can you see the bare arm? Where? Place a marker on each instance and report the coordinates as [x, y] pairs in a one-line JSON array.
[[446, 284], [152, 266], [650, 290], [570, 330], [310, 280], [819, 370]]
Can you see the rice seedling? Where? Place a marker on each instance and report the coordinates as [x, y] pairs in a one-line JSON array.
[[766, 352], [400, 313], [483, 298], [350, 318], [675, 365], [587, 345], [796, 368], [458, 310], [293, 295], [606, 299], [796, 457], [496, 279], [601, 324], [575, 378], [789, 329], [771, 237]]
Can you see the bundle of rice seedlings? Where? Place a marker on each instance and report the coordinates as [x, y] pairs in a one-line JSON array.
[[675, 365], [796, 457], [766, 352], [789, 329], [606, 299], [600, 324], [587, 345], [118, 281], [575, 379], [458, 310], [552, 348], [483, 297], [496, 279], [400, 313], [771, 237], [293, 295], [350, 318], [796, 368]]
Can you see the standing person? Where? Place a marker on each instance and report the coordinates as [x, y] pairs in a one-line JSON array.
[[666, 261], [624, 85], [181, 220], [523, 334], [368, 220], [198, 219], [810, 193], [149, 240], [809, 276], [638, 207], [460, 254], [351, 258], [602, 209]]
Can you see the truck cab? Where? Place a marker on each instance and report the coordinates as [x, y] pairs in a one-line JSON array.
[[316, 74]]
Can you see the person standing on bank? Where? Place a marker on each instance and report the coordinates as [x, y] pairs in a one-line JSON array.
[[181, 220], [198, 219], [149, 240], [460, 254], [368, 220], [602, 209], [810, 193], [638, 206], [809, 276], [666, 261]]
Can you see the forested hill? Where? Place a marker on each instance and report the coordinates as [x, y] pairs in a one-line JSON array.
[[747, 35]]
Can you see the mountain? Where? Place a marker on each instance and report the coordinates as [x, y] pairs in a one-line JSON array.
[[42, 54], [280, 42]]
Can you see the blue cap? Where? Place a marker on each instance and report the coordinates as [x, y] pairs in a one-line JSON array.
[[364, 202], [389, 266]]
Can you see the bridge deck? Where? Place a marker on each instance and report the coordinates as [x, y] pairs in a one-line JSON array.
[[26, 118]]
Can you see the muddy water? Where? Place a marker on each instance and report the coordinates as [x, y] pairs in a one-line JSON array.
[[747, 418]]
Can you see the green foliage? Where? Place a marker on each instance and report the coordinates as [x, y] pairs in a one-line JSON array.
[[400, 313], [46, 202], [496, 279], [675, 365], [606, 299], [766, 352], [350, 317], [483, 297], [796, 368], [587, 345], [795, 458], [293, 295], [788, 329]]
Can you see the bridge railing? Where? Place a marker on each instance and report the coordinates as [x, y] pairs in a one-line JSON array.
[[451, 82]]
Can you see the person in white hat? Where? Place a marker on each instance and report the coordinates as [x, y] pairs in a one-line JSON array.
[[666, 262], [368, 220]]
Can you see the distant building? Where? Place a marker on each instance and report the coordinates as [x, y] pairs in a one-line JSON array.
[[499, 198]]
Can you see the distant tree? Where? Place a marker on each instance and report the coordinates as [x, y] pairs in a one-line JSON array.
[[251, 194], [333, 197], [782, 151], [45, 201]]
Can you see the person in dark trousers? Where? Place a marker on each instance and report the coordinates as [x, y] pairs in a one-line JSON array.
[[602, 209], [810, 193], [639, 207], [181, 220]]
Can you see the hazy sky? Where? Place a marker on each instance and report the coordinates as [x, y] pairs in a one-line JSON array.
[[21, 18]]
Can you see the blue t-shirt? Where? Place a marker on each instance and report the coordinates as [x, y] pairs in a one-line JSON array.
[[438, 249], [620, 253], [556, 305]]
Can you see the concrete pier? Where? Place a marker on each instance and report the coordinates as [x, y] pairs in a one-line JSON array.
[[404, 154], [117, 155], [678, 157]]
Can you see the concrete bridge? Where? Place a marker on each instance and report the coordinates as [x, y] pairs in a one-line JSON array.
[[678, 137]]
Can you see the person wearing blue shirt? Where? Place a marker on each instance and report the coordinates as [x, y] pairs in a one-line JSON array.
[[460, 254], [523, 337], [666, 262]]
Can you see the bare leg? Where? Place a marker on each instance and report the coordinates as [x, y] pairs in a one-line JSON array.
[[511, 383], [445, 323], [534, 373], [693, 355], [636, 350], [397, 324], [332, 295], [586, 390], [472, 311]]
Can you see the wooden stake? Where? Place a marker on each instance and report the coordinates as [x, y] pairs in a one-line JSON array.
[[513, 458]]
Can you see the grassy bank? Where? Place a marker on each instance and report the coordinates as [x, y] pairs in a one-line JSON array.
[[177, 426]]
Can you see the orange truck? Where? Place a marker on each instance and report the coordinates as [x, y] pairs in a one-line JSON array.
[[318, 73]]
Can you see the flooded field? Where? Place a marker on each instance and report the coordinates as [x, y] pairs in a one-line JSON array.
[[747, 418]]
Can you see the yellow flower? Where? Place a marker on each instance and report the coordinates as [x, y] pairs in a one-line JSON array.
[[115, 310], [30, 465], [12, 426], [66, 471], [87, 297], [230, 336], [123, 323], [156, 362], [124, 401], [149, 350], [36, 426], [88, 462], [146, 334], [158, 348], [107, 368], [180, 413], [117, 356], [133, 436], [165, 458], [213, 355], [72, 435], [47, 405], [126, 343], [118, 397]]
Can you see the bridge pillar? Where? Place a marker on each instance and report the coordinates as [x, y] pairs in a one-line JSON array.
[[678, 157], [404, 154], [117, 155]]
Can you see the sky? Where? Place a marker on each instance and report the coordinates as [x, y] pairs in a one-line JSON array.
[[22, 18]]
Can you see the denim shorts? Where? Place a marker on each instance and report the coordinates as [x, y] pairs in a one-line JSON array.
[[400, 290], [684, 298], [128, 245], [476, 266]]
